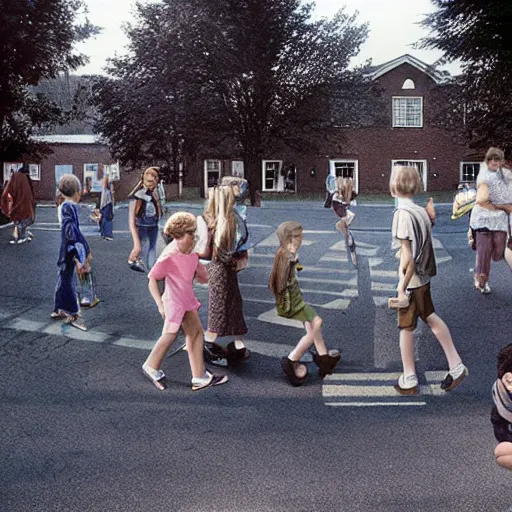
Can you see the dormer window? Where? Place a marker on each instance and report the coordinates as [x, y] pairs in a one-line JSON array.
[[408, 84], [407, 112]]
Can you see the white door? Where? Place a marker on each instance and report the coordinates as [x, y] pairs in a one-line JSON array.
[[421, 165], [211, 175]]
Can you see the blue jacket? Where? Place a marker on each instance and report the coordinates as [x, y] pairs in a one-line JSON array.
[[73, 243]]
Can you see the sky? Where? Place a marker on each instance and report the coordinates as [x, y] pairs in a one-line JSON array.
[[393, 29]]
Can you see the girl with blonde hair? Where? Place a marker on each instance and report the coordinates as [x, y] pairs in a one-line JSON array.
[[144, 212], [290, 304], [228, 256]]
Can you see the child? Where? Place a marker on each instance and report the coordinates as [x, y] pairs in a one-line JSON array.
[[412, 234], [226, 219], [74, 254], [144, 213], [106, 210], [290, 304], [501, 413], [178, 265]]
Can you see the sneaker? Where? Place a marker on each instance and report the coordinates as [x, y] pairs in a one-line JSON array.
[[89, 305], [454, 377], [407, 385], [29, 234], [157, 377], [109, 238], [209, 380], [20, 240], [486, 289]]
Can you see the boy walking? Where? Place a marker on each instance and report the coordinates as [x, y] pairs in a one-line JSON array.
[[74, 254], [412, 234]]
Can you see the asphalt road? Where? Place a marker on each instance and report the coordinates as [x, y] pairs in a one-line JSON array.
[[82, 430]]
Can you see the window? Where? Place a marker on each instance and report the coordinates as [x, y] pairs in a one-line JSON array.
[[93, 178], [469, 171], [407, 112], [10, 168], [237, 168], [345, 169], [272, 178], [60, 170], [421, 165], [34, 171], [212, 170], [408, 84]]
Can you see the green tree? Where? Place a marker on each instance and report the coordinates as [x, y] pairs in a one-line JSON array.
[[477, 34], [250, 74], [36, 42]]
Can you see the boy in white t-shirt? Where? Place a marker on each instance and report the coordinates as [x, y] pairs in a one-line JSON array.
[[412, 233]]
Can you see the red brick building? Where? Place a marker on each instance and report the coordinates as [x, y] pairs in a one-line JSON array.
[[368, 154]]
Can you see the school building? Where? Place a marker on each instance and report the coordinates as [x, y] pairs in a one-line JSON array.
[[366, 154]]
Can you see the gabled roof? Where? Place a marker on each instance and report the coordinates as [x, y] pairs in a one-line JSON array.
[[378, 71], [69, 139]]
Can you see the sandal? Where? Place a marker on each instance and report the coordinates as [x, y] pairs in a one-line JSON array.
[[58, 315], [215, 354], [236, 355], [137, 265], [327, 362], [289, 368]]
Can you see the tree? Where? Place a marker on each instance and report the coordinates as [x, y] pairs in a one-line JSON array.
[[249, 74], [36, 42], [478, 35]]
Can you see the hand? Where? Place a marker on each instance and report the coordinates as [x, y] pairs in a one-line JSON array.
[[134, 255], [431, 211], [161, 310]]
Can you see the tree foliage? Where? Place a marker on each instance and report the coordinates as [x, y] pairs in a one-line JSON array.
[[478, 35], [245, 74], [36, 42]]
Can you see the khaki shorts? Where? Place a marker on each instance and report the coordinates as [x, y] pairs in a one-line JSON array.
[[420, 305]]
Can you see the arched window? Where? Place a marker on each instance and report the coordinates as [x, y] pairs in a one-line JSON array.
[[408, 84]]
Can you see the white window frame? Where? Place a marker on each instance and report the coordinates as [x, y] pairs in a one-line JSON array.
[[332, 169], [395, 125], [461, 180], [8, 167], [205, 173], [413, 161], [34, 171], [276, 182], [237, 166]]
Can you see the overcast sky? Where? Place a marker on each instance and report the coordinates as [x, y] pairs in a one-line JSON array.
[[393, 29]]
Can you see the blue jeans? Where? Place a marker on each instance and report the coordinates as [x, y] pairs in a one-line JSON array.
[[107, 226], [65, 292], [148, 237]]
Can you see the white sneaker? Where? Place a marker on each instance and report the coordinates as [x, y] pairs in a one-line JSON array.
[[407, 385], [454, 377]]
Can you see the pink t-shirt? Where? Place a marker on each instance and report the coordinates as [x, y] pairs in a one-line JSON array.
[[178, 270]]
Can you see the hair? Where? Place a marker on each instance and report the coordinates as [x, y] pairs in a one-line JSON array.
[[220, 218], [179, 223], [405, 181], [505, 360], [345, 188], [494, 153], [140, 183], [280, 268], [69, 185]]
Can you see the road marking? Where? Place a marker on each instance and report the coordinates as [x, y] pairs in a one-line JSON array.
[[383, 273], [309, 269], [272, 318], [384, 287], [373, 404], [273, 241], [135, 343], [380, 301]]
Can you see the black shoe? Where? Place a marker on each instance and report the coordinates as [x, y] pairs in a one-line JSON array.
[[327, 362], [214, 354], [289, 367], [236, 355]]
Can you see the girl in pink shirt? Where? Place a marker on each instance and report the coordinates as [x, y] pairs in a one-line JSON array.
[[178, 266]]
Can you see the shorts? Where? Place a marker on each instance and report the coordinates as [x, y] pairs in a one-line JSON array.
[[306, 314], [420, 305], [340, 209]]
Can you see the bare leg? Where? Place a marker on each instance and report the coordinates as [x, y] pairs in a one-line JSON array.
[[194, 338], [316, 329], [442, 333], [342, 227], [503, 454], [508, 257], [160, 349], [407, 352]]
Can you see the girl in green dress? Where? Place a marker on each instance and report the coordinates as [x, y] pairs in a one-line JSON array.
[[290, 304]]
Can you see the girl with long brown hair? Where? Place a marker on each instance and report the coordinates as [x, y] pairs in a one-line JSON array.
[[290, 304]]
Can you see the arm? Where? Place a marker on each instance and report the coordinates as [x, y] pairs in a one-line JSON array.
[[134, 231], [201, 274], [406, 268], [157, 297], [482, 197]]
